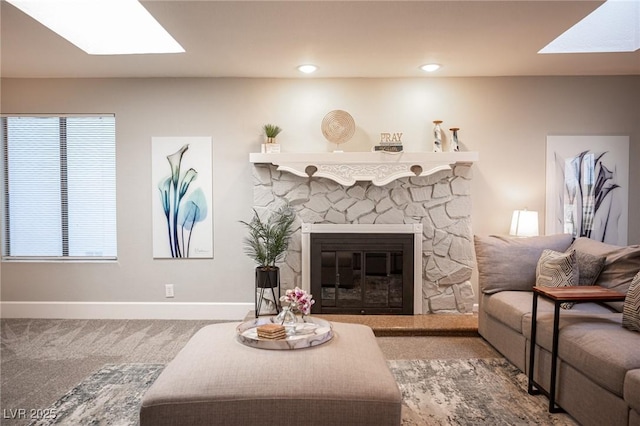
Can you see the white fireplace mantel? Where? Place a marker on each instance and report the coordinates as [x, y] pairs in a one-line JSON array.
[[378, 167]]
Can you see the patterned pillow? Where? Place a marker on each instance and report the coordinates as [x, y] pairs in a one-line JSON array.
[[589, 267], [631, 309], [557, 269]]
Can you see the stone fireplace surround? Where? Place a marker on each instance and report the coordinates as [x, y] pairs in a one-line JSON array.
[[438, 200]]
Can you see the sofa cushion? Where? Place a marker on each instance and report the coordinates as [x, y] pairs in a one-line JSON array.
[[509, 307], [596, 345], [513, 308], [584, 310], [589, 267], [602, 349], [632, 389], [506, 263], [621, 265], [631, 310]]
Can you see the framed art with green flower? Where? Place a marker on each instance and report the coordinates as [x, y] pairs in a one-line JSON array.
[[182, 197], [588, 187]]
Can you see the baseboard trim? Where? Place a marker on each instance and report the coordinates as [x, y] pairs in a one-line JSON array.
[[125, 310]]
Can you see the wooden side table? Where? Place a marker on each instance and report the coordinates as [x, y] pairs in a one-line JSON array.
[[559, 295]]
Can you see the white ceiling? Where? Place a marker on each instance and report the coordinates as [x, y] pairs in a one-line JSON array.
[[344, 38]]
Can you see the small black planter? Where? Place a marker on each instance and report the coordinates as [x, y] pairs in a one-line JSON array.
[[267, 279]]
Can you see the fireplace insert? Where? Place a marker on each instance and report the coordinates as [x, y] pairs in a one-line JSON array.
[[362, 273]]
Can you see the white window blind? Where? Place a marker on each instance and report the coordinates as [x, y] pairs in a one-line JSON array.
[[59, 187]]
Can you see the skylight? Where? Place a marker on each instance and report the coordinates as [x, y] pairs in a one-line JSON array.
[[613, 27], [102, 27]]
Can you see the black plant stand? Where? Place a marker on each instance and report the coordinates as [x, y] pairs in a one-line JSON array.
[[266, 280]]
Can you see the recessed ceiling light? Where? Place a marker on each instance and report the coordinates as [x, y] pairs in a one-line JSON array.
[[307, 69], [612, 27], [430, 67], [102, 27]]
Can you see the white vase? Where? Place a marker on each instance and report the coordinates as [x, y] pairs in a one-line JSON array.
[[437, 136], [272, 148], [454, 146]]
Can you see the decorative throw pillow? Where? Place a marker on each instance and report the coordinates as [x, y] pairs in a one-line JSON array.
[[621, 264], [631, 309], [556, 269], [589, 267], [506, 263]]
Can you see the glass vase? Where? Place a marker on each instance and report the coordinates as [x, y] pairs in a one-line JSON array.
[[288, 319]]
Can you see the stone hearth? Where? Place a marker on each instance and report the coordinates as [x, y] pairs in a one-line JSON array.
[[440, 202]]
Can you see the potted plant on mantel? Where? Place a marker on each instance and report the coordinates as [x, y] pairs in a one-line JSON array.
[[267, 244], [271, 131]]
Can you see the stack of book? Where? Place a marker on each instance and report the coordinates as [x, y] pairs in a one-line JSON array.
[[390, 142], [389, 147], [271, 332]]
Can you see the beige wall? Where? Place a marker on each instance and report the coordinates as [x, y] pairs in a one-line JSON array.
[[505, 119]]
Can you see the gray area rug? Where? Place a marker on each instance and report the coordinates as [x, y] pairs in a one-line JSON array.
[[111, 396], [41, 359], [435, 392], [488, 391]]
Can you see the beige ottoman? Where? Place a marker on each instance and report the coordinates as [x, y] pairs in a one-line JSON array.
[[215, 380]]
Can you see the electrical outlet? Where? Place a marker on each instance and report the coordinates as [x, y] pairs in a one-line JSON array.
[[168, 290]]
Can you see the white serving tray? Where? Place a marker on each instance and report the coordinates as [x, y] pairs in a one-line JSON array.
[[311, 332]]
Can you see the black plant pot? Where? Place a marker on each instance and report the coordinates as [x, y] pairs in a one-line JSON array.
[[267, 277]]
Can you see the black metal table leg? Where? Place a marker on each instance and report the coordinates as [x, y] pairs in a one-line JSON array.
[[532, 349], [554, 359], [275, 301], [255, 294], [260, 303], [255, 300]]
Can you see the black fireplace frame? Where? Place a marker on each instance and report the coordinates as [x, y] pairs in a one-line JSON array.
[[367, 242]]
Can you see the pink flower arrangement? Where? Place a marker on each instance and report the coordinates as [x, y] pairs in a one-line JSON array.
[[299, 300]]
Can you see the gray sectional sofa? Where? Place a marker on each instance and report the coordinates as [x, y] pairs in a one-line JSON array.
[[598, 381]]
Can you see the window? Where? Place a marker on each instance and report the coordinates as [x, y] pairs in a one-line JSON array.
[[59, 187]]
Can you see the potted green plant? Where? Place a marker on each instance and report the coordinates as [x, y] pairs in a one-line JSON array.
[[271, 131], [267, 243]]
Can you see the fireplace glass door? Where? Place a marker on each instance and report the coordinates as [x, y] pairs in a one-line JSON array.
[[362, 274]]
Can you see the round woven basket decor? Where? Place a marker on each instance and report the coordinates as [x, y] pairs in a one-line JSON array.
[[338, 126]]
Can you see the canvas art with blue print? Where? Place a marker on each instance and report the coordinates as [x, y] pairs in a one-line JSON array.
[[182, 197]]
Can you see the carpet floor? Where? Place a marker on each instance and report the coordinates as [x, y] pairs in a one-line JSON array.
[[86, 366]]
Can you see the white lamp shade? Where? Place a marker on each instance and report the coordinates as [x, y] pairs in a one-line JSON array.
[[524, 223]]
